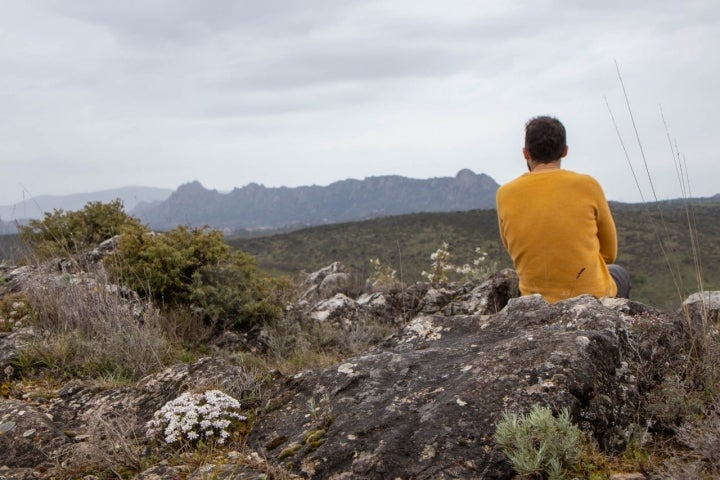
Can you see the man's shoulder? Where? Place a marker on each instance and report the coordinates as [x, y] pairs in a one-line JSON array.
[[572, 173], [582, 178], [567, 177]]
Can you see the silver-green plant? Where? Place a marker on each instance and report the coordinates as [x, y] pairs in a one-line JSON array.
[[539, 444]]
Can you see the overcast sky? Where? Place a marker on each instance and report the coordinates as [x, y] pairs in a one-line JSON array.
[[99, 94]]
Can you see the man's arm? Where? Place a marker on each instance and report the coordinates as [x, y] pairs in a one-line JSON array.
[[607, 234]]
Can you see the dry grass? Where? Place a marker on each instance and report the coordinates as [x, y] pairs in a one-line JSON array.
[[89, 329], [296, 342], [108, 448], [685, 407]]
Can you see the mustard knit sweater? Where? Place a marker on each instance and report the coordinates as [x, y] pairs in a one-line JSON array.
[[557, 227]]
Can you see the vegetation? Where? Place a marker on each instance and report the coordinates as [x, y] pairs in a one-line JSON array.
[[123, 342], [539, 444], [191, 283], [157, 293], [63, 233], [404, 242], [195, 267]]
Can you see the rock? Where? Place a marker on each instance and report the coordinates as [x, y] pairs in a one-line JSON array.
[[339, 309], [489, 297], [10, 345], [28, 437], [425, 404], [702, 312], [7, 473], [77, 405], [327, 282]]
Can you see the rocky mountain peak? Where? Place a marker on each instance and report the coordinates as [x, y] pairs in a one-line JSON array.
[[256, 206]]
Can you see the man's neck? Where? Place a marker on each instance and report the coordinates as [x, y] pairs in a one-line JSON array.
[[543, 167]]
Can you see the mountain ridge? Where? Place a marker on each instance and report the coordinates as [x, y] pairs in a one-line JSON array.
[[256, 207], [35, 207]]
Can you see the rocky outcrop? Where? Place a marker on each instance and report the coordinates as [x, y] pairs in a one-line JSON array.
[[422, 404], [425, 404]]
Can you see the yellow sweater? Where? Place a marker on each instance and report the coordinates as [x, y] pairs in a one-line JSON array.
[[557, 227]]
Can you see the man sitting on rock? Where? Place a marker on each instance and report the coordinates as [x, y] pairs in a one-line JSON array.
[[556, 224]]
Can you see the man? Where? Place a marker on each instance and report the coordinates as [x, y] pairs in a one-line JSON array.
[[556, 224]]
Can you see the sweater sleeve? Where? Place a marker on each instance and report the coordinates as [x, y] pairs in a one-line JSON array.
[[607, 234], [501, 223]]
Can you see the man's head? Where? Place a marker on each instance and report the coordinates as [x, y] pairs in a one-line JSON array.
[[545, 140]]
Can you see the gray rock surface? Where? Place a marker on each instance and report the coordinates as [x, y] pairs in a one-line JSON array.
[[423, 404]]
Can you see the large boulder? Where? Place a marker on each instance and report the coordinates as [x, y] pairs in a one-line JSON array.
[[425, 404]]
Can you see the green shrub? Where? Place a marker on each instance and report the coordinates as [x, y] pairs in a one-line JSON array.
[[63, 233], [539, 444], [196, 268]]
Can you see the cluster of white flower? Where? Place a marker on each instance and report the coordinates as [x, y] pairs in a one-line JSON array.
[[441, 266], [196, 416]]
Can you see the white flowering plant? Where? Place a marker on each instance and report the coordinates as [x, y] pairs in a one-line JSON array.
[[383, 275], [193, 417], [440, 265], [479, 268]]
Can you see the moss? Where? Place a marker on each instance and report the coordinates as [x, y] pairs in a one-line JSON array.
[[291, 450], [314, 435], [315, 444]]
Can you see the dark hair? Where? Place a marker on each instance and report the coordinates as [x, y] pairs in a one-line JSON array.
[[545, 139]]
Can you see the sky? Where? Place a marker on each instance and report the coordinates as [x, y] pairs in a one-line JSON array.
[[101, 94]]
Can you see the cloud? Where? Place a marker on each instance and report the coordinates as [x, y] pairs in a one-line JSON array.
[[284, 92]]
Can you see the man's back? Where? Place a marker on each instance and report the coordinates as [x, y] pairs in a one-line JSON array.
[[558, 229]]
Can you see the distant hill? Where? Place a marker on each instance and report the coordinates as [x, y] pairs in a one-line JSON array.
[[256, 207], [405, 243], [35, 207]]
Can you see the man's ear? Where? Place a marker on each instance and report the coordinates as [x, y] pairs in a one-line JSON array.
[[526, 154], [564, 154]]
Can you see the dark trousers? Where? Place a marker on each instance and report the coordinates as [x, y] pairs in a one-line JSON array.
[[622, 280]]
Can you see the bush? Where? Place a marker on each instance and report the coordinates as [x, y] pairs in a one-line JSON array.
[[539, 444], [67, 233], [196, 268]]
